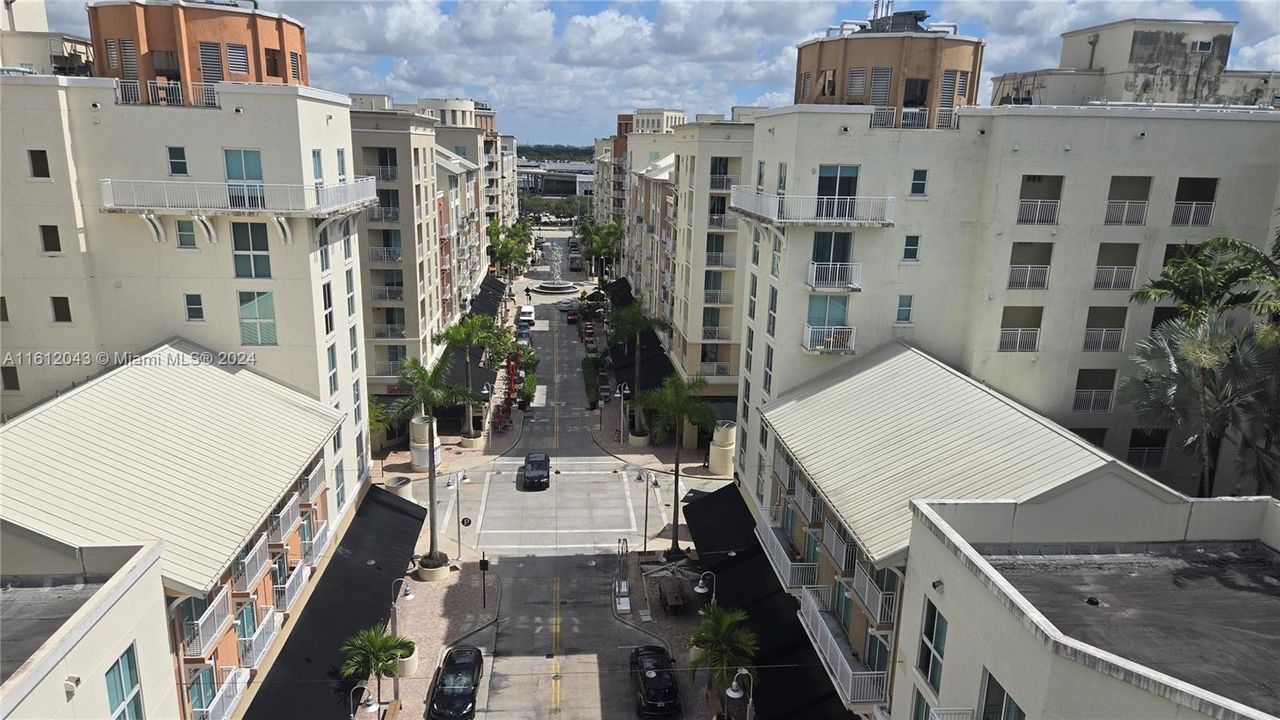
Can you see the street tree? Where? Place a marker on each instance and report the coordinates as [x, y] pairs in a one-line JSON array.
[[722, 643], [673, 403], [476, 331], [628, 324]]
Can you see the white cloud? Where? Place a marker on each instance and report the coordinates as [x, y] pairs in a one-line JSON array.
[[1264, 55]]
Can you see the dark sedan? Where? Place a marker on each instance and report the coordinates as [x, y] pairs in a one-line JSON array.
[[537, 471], [653, 676], [453, 694]]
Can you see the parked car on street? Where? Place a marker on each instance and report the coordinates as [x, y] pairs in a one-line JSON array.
[[453, 692], [522, 335], [567, 304], [526, 315], [653, 677], [536, 472]]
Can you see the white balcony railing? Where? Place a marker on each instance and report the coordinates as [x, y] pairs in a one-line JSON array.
[[806, 501], [950, 714], [1113, 277], [835, 276], [714, 369], [287, 594], [201, 634], [1019, 339], [1125, 212], [880, 604], [235, 680], [160, 92], [204, 95], [842, 551], [883, 117], [784, 475], [387, 368], [388, 293], [948, 119], [721, 259], [1150, 458], [254, 648], [793, 574], [386, 254], [855, 686], [1038, 212], [721, 221], [717, 297], [388, 330], [1092, 401], [1195, 214], [314, 548], [246, 571], [1028, 277], [915, 118], [312, 483], [128, 92], [282, 523], [717, 332], [384, 213], [235, 197], [832, 339], [723, 182], [382, 172], [813, 209], [1103, 339]]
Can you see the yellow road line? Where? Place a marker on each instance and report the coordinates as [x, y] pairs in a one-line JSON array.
[[555, 645]]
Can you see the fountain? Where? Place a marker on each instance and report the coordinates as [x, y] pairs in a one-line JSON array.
[[555, 286]]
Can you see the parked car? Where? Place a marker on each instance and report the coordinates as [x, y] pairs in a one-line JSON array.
[[522, 335], [453, 693], [536, 472], [525, 317], [572, 317], [567, 304], [653, 677]]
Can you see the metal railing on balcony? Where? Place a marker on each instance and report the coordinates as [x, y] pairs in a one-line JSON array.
[[389, 293], [1125, 212], [719, 221], [723, 182], [714, 369], [492, 191], [1019, 339], [948, 119], [246, 571], [160, 92], [388, 330], [880, 604], [205, 95], [1028, 277], [1113, 277], [128, 92], [856, 686], [236, 197], [793, 574], [383, 172], [915, 118], [1151, 458], [386, 254], [1103, 339], [312, 483], [842, 551], [200, 635], [1038, 212], [254, 648], [835, 276], [314, 548], [235, 680], [784, 475], [717, 297], [1092, 401], [283, 522], [716, 332], [287, 594], [833, 339], [813, 209], [950, 714], [1194, 214], [721, 259], [810, 506], [884, 117], [384, 213]]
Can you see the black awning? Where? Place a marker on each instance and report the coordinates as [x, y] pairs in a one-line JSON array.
[[725, 408], [793, 683], [620, 292], [350, 595], [655, 365], [488, 301]]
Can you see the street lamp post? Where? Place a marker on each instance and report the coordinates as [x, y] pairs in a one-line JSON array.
[[351, 697], [621, 393], [735, 691], [651, 483], [702, 589], [407, 594]]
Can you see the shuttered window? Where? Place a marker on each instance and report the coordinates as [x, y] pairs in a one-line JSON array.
[[806, 85], [962, 84], [211, 62], [129, 58], [257, 318], [857, 81], [948, 99], [237, 59], [295, 66], [113, 58], [880, 80]]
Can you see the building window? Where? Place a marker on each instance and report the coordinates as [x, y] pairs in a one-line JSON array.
[[326, 294], [360, 459], [827, 83], [764, 437], [273, 63], [755, 247], [340, 479], [760, 175], [195, 307], [775, 264], [324, 253], [746, 407], [806, 85], [857, 81], [61, 309], [186, 234], [39, 163], [337, 443], [257, 318], [996, 703], [177, 161], [113, 57], [249, 248], [9, 379], [351, 293], [124, 689], [918, 178], [295, 66], [1202, 46], [352, 337], [332, 355], [920, 709], [49, 240], [773, 311], [237, 59], [933, 643], [346, 247], [355, 408], [768, 369], [904, 310], [751, 299], [4, 309], [911, 249], [751, 341]]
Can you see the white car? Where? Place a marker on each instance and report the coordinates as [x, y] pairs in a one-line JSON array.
[[567, 304]]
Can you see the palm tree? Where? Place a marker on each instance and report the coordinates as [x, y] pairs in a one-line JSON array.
[[674, 402], [373, 651], [429, 390], [725, 641], [477, 331], [600, 241], [1203, 379], [1204, 280], [628, 323]]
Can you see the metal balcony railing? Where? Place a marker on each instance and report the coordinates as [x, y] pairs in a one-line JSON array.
[[388, 293], [161, 92], [1125, 212], [1103, 339], [723, 182], [915, 118], [1151, 458], [314, 548], [312, 483], [283, 522], [784, 475], [1194, 214], [388, 330], [1028, 277], [1038, 212], [716, 332], [1113, 277], [386, 254], [832, 339], [383, 172], [882, 605], [717, 297], [809, 505], [287, 594], [835, 276], [855, 683], [813, 209], [254, 648], [719, 221], [246, 571], [721, 259], [1019, 339], [200, 635], [883, 117], [1092, 401], [950, 714], [236, 197], [384, 213], [235, 680], [387, 368], [714, 369], [793, 574], [842, 551]]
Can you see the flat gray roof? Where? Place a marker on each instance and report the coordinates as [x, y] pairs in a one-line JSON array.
[[1208, 615], [31, 615]]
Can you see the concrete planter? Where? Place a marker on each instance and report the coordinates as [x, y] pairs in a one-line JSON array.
[[401, 485], [432, 574], [637, 440], [407, 666], [472, 442], [695, 652], [418, 445]]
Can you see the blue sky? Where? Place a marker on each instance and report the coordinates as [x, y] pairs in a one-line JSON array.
[[560, 71]]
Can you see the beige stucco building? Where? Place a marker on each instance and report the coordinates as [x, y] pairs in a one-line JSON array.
[[28, 46]]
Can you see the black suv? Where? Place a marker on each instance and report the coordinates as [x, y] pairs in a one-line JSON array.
[[537, 471], [653, 677], [453, 694]]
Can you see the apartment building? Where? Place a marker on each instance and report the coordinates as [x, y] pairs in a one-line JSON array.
[[508, 182], [191, 506], [468, 129], [602, 189], [27, 45], [1142, 61], [463, 236]]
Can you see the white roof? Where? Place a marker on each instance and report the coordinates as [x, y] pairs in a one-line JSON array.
[[167, 448], [899, 425], [661, 168], [455, 164]]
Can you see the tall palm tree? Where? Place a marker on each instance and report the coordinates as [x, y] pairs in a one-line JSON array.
[[674, 402], [1205, 380], [725, 641], [373, 651], [429, 390], [476, 331], [601, 241], [628, 323], [1203, 281]]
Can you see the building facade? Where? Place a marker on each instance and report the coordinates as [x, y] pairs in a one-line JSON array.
[[27, 45]]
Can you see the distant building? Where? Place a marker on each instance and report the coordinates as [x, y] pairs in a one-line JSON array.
[[556, 178], [27, 45]]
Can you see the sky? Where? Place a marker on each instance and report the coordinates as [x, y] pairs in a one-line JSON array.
[[558, 72]]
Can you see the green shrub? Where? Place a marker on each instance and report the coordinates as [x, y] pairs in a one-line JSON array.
[[590, 379]]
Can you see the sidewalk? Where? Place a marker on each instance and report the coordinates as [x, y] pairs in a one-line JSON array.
[[604, 430]]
